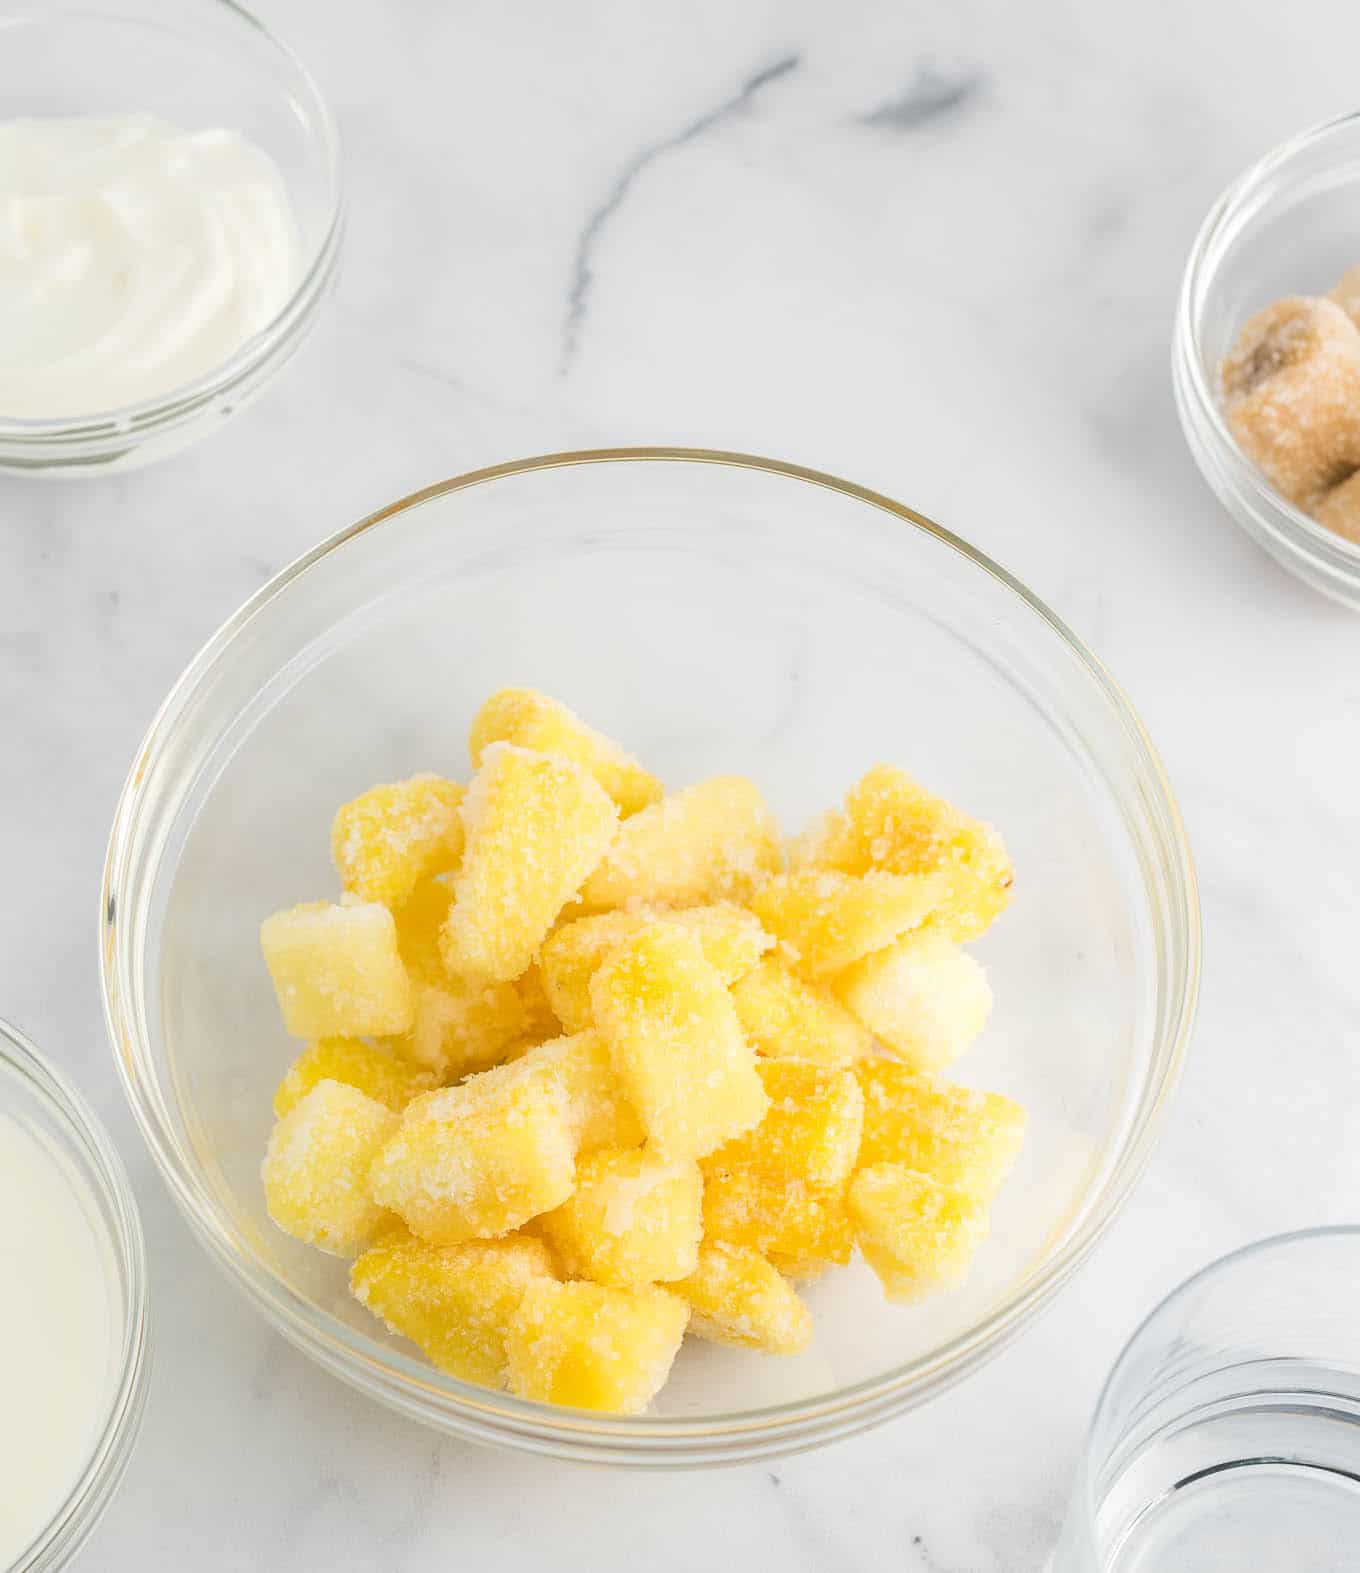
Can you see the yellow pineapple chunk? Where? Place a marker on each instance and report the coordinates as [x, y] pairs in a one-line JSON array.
[[811, 1131], [786, 1018], [736, 1297], [476, 1160], [336, 970], [593, 1346], [673, 1035], [891, 822], [315, 1170], [633, 1219], [713, 840], [788, 1220], [375, 1071], [391, 837], [923, 998], [536, 826], [825, 920], [455, 1302], [463, 1025], [596, 1107], [967, 1140], [531, 720], [420, 920], [732, 940], [916, 1234], [541, 1021]]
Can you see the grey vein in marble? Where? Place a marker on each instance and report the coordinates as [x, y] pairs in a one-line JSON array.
[[582, 273], [930, 95]]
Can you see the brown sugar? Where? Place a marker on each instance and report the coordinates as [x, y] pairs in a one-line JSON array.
[[1291, 390]]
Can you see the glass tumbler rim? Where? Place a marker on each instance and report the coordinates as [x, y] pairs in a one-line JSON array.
[[651, 1440]]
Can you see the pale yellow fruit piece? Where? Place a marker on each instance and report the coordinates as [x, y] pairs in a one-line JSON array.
[[529, 719], [463, 1025], [787, 1018], [712, 841], [825, 920], [923, 998], [736, 1297], [633, 1219], [454, 1302], [594, 1346], [891, 822], [811, 1130], [420, 920], [596, 1106], [536, 826], [375, 1071], [675, 1041], [315, 1170], [336, 970], [965, 1139], [917, 1235], [788, 1220], [391, 837], [476, 1160], [732, 940]]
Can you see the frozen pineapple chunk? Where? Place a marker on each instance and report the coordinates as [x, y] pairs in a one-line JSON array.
[[531, 720], [916, 1234], [391, 837], [787, 1219], [736, 1297], [477, 1160], [592, 1346], [713, 840], [455, 1302], [732, 940], [315, 1170], [336, 970], [463, 1025], [420, 920], [541, 1021], [632, 1219], [376, 1072], [825, 920], [965, 1139], [891, 822], [674, 1038], [596, 1108], [923, 998], [811, 1131], [786, 1018], [536, 826]]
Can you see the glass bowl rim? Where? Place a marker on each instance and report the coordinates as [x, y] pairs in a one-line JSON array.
[[145, 417], [497, 1417], [101, 1166], [1272, 512]]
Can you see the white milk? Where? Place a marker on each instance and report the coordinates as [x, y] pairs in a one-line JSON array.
[[57, 1322]]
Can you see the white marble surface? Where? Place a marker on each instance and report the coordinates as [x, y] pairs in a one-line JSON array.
[[933, 248]]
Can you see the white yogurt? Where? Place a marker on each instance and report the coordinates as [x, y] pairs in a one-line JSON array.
[[57, 1331], [134, 257]]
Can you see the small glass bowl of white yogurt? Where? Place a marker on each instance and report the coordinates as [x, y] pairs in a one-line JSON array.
[[170, 220], [74, 1321]]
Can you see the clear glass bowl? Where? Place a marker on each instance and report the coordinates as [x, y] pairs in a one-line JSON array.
[[197, 63], [51, 1110], [719, 613], [1289, 226]]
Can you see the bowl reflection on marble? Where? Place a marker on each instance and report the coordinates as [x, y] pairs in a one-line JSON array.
[[717, 613]]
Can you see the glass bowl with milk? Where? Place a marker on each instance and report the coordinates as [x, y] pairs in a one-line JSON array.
[[74, 1327], [170, 220]]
